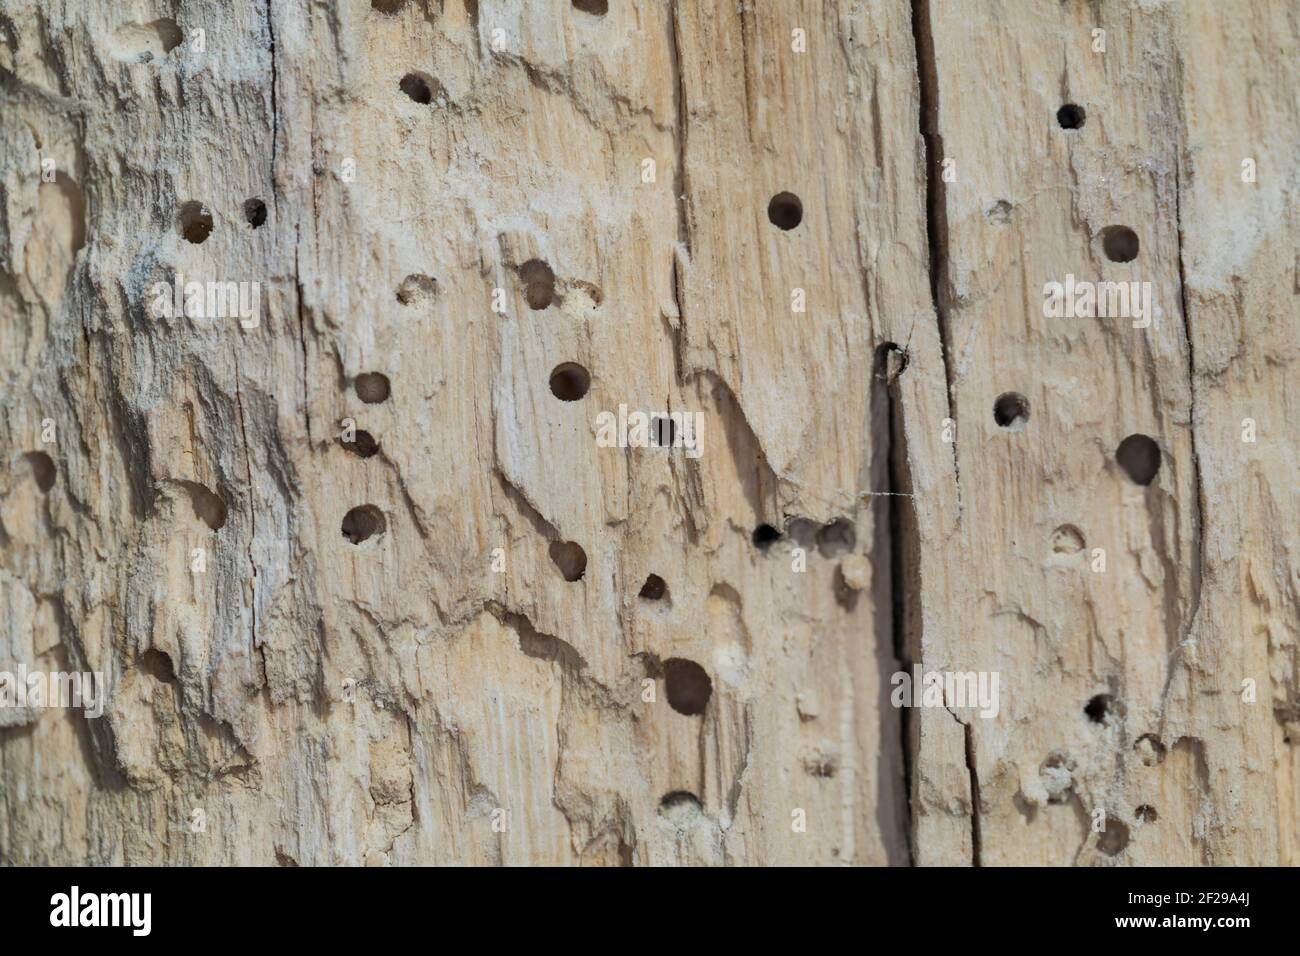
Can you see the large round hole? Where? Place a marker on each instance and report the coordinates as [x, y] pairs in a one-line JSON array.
[[158, 665], [1011, 410], [194, 222], [569, 382], [654, 589], [43, 470], [764, 535], [570, 559], [1071, 116], [208, 506], [539, 283], [417, 88], [362, 523], [363, 445], [1139, 456], [597, 8], [688, 686], [785, 210], [1120, 243], [255, 213], [372, 387]]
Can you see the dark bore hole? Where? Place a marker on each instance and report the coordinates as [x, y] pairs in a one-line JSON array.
[[1011, 410], [1071, 116], [689, 687], [255, 213], [539, 283], [1139, 456], [570, 559], [1146, 813], [387, 7], [208, 506], [362, 523], [372, 387], [654, 588], [1120, 243], [785, 210], [363, 445], [1114, 838], [663, 431], [158, 665], [569, 382], [417, 88], [43, 470], [1098, 708], [764, 535], [194, 222], [597, 8]]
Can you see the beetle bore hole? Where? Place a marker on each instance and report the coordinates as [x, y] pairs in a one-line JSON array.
[[255, 213], [539, 284], [764, 535], [689, 687], [1099, 707], [569, 382], [362, 523], [363, 445], [43, 470], [1011, 410], [597, 8], [194, 222], [417, 88], [1071, 116], [1146, 813], [654, 588], [158, 665], [372, 387], [785, 211], [570, 559], [1139, 456], [1120, 243]]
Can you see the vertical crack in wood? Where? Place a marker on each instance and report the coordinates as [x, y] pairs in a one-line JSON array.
[[936, 217]]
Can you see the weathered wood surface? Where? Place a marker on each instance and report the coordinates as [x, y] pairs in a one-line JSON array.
[[439, 692]]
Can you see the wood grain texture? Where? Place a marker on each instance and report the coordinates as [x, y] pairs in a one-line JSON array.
[[463, 196]]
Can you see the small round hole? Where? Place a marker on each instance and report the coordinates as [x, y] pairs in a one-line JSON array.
[[43, 470], [158, 665], [194, 222], [1011, 410], [663, 432], [362, 523], [1071, 116], [417, 88], [680, 808], [654, 589], [539, 284], [1139, 456], [372, 387], [208, 506], [785, 210], [255, 213], [1067, 539], [569, 382], [1120, 243], [363, 445], [1146, 813], [1099, 708], [597, 8], [689, 687], [764, 535], [570, 559]]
